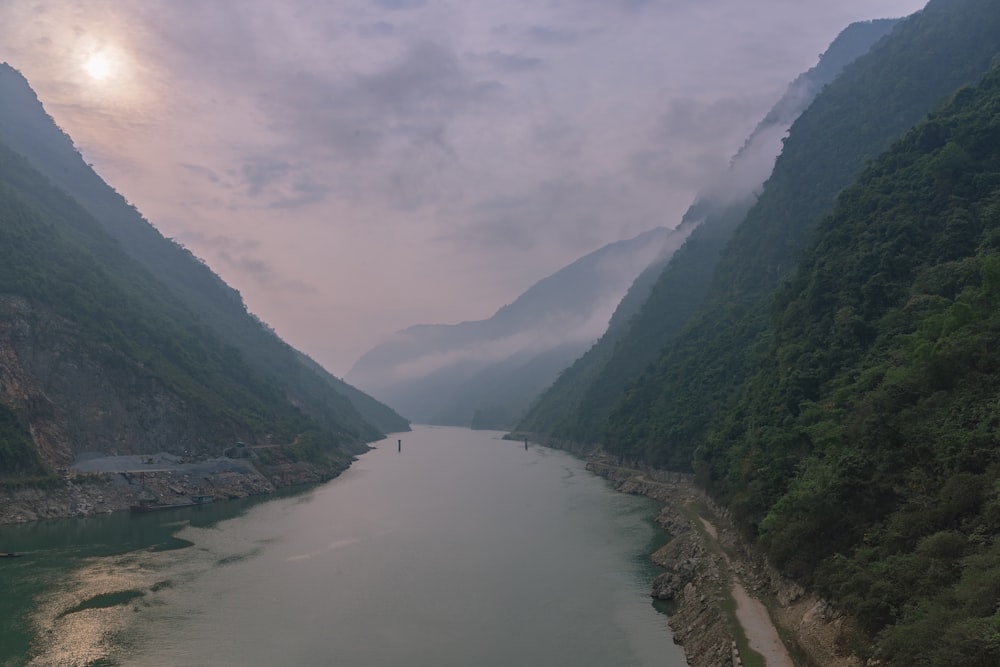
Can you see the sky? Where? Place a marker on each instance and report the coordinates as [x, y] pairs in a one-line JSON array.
[[354, 167]]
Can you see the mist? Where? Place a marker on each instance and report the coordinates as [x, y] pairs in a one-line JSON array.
[[355, 167]]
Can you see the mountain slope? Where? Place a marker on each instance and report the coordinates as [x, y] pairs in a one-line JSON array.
[[25, 127], [864, 449], [427, 371], [671, 409], [575, 407], [96, 355]]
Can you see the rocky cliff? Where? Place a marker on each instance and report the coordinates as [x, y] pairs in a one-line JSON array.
[[73, 400]]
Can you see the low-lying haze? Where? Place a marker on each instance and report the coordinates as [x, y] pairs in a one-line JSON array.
[[354, 168]]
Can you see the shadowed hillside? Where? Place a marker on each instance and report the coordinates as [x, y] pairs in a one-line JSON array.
[[668, 293], [27, 129]]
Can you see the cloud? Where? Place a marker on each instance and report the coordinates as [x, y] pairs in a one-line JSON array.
[[508, 62], [245, 256], [582, 328], [553, 36], [409, 100], [558, 136], [427, 79], [443, 155], [377, 30], [573, 213], [260, 173], [692, 141], [397, 5], [201, 172]]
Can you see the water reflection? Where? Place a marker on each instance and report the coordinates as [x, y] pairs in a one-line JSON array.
[[78, 579], [464, 550]]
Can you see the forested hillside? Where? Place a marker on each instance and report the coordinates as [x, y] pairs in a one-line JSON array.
[[26, 128], [660, 303], [838, 390], [96, 355], [864, 450], [671, 409]]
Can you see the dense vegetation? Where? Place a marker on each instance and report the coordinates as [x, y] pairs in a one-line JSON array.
[[838, 386], [838, 389], [671, 410], [18, 456], [26, 128], [576, 407], [863, 452], [59, 260]]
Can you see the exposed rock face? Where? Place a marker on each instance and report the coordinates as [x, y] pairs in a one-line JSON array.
[[74, 402], [114, 492], [696, 578], [691, 580], [75, 398]]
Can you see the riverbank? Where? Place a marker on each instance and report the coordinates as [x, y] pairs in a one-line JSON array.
[[721, 592], [451, 548], [114, 484]]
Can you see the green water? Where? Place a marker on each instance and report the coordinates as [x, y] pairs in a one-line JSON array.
[[463, 549]]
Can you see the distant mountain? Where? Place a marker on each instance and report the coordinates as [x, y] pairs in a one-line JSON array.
[[668, 292], [485, 373], [28, 130]]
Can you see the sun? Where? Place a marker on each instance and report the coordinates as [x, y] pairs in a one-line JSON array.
[[99, 66]]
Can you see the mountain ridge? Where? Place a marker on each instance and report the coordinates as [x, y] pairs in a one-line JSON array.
[[30, 131], [574, 408], [573, 302]]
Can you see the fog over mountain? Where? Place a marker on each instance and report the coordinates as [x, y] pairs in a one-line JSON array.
[[425, 371], [354, 167], [486, 373], [667, 292]]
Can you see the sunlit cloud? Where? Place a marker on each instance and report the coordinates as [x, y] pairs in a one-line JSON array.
[[409, 160]]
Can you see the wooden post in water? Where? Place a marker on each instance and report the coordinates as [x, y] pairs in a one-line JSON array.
[[399, 445], [526, 444]]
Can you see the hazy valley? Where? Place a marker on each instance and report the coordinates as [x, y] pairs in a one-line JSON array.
[[802, 368]]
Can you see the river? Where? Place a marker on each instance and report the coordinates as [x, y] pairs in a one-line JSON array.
[[460, 549]]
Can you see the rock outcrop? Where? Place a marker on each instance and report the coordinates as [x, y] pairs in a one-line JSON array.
[[88, 494], [700, 561], [73, 402]]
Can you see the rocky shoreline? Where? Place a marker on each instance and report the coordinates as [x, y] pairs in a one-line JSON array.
[[702, 559], [101, 493]]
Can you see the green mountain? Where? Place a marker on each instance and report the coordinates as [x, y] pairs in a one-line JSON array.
[[96, 355], [131, 345], [670, 411], [837, 390], [666, 295], [27, 129], [863, 450]]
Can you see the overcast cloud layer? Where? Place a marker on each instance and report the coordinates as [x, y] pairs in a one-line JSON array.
[[354, 167]]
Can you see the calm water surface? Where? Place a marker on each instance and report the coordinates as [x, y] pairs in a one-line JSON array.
[[463, 549]]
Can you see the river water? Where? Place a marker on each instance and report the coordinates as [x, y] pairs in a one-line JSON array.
[[461, 549]]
